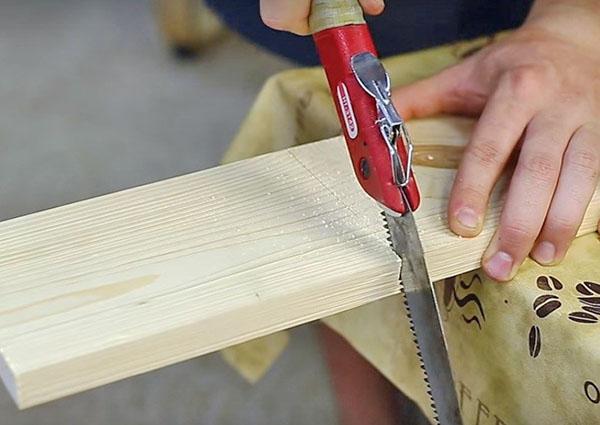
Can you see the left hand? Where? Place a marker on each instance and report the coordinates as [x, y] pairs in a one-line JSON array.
[[539, 86]]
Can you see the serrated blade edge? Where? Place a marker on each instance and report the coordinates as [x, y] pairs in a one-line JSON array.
[[424, 319]]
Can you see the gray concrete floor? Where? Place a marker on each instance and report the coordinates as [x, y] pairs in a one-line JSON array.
[[90, 103]]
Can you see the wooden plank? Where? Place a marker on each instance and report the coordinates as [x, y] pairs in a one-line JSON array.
[[122, 284]]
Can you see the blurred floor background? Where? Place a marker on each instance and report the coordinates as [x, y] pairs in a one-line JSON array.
[[90, 103]]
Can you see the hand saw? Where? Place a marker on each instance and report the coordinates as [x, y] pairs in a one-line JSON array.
[[381, 153]]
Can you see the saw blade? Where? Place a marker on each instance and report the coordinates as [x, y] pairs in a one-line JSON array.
[[424, 318]]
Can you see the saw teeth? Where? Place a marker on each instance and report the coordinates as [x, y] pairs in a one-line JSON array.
[[420, 357], [413, 332], [386, 226]]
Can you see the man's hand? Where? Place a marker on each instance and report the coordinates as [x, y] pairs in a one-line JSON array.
[[292, 15], [537, 95]]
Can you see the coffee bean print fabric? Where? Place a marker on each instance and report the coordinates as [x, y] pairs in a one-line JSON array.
[[589, 299], [535, 341], [547, 303], [523, 353], [543, 306], [587, 293]]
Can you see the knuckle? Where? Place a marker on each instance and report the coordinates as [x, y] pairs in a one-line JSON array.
[[524, 81], [542, 167], [517, 234], [562, 225], [572, 96], [497, 54], [485, 153], [584, 161], [471, 193], [579, 195]]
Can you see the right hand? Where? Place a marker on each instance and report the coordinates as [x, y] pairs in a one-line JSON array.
[[292, 15]]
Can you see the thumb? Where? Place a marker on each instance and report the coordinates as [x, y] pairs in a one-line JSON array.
[[452, 91]]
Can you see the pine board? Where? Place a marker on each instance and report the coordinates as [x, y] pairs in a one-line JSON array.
[[115, 286]]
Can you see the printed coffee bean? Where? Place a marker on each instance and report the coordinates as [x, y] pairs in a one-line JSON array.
[[556, 283], [592, 286], [592, 309], [547, 283], [546, 304], [590, 300], [543, 283], [582, 317], [583, 289], [535, 341], [542, 299]]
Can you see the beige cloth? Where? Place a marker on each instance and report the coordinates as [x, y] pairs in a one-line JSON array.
[[527, 352]]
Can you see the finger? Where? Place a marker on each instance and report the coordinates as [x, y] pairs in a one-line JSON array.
[[286, 15], [576, 186], [495, 136], [531, 189], [372, 7], [451, 91]]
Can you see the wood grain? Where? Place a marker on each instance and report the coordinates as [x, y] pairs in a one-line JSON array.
[[118, 285]]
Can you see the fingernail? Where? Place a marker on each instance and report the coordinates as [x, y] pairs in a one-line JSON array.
[[544, 253], [468, 218], [500, 266]]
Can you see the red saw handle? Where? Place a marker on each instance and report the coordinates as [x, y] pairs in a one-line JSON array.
[[357, 112]]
